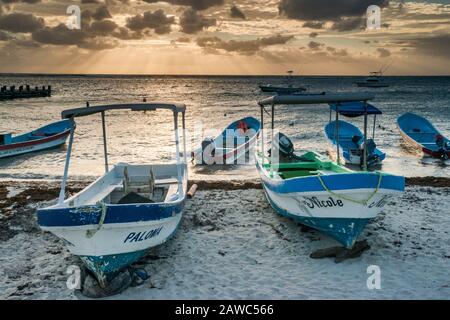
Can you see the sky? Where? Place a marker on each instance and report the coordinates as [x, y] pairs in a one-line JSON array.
[[224, 37]]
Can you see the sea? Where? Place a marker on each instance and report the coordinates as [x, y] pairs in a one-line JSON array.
[[212, 103]]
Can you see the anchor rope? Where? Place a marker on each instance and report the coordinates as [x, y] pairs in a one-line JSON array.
[[363, 202], [91, 233]]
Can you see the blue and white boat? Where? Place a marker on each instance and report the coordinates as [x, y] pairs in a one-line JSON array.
[[316, 191], [421, 133], [349, 139], [229, 147], [131, 208], [49, 136]]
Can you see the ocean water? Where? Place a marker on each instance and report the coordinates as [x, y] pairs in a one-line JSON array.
[[212, 103]]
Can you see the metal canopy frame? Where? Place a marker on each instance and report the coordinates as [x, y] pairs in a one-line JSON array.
[[314, 98], [80, 112]]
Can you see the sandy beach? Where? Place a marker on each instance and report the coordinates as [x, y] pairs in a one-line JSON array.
[[232, 245]]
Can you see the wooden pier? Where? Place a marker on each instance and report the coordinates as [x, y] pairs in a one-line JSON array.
[[24, 92]]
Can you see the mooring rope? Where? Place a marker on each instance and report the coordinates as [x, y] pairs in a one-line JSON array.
[[363, 202], [91, 233]]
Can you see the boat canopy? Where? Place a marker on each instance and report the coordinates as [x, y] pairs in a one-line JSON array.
[[354, 109], [85, 111], [312, 98]]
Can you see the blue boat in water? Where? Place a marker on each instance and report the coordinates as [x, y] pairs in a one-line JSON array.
[[231, 145], [49, 136], [421, 133], [316, 191], [349, 139], [131, 208]]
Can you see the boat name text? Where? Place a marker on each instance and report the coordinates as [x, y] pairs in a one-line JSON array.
[[141, 236], [313, 202]]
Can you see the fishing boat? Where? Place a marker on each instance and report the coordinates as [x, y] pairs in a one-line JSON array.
[[289, 88], [115, 220], [374, 80], [46, 137], [231, 145], [351, 140], [421, 133], [314, 190]]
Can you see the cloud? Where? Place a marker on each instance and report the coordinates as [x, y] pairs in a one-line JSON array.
[[183, 39], [347, 24], [245, 47], [20, 22], [235, 12], [17, 1], [101, 13], [192, 22], [194, 4], [60, 35], [313, 35], [330, 10], [103, 27], [383, 53], [4, 36], [314, 24], [313, 45], [157, 20], [435, 45]]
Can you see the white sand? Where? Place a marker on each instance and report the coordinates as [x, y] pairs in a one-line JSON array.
[[231, 244]]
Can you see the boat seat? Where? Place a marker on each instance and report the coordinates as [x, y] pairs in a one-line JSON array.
[[103, 193]]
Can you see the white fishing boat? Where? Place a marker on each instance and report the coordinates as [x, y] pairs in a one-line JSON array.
[[316, 191], [131, 208], [374, 80]]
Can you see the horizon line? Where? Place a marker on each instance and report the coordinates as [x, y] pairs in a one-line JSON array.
[[204, 75]]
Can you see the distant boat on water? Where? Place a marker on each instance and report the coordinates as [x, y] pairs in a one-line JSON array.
[[288, 88], [374, 80]]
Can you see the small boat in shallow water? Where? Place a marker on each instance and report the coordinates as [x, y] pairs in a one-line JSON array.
[[421, 133], [131, 208], [374, 80], [281, 89], [351, 140], [46, 137], [231, 145], [316, 191]]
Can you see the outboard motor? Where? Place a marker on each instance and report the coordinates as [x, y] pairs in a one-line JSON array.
[[208, 150], [285, 148], [370, 148]]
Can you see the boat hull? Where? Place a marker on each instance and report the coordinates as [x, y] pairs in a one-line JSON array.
[[340, 205], [233, 154], [372, 85], [281, 90], [126, 234], [47, 137], [408, 122], [346, 145]]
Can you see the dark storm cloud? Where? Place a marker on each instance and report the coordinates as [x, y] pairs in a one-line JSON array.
[[157, 20], [192, 22], [245, 47], [327, 9], [103, 27], [194, 4], [235, 12], [313, 35], [20, 22]]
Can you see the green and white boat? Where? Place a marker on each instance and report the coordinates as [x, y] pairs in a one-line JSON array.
[[314, 190]]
